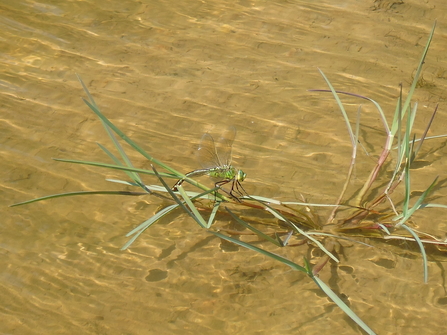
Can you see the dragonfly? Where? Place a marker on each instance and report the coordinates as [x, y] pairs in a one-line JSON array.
[[216, 162]]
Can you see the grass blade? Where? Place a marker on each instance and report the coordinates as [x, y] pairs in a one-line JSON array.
[[415, 79], [253, 229], [70, 194], [307, 270], [146, 224], [116, 167], [424, 135], [176, 199], [199, 218], [281, 259], [133, 175], [342, 108], [300, 231], [334, 297], [416, 206], [421, 247], [107, 122], [381, 113], [152, 219], [213, 213]]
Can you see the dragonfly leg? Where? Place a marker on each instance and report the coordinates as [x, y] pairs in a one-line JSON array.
[[239, 189], [230, 193]]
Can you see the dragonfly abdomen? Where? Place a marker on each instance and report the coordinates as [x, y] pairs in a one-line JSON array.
[[199, 172]]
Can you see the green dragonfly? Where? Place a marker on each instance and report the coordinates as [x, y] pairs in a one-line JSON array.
[[216, 161]]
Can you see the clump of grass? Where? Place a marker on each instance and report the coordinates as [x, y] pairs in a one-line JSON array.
[[298, 220]]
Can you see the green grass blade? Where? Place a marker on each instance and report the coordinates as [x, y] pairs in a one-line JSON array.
[[158, 188], [130, 142], [300, 231], [384, 228], [318, 243], [417, 205], [70, 194], [119, 147], [334, 297], [421, 247], [264, 199], [397, 118], [424, 135], [433, 206], [415, 79], [281, 259], [398, 113], [128, 183], [130, 242], [213, 213], [198, 217], [342, 108], [308, 267], [407, 153], [146, 224], [351, 167], [116, 167], [106, 121], [153, 219], [307, 270], [286, 240], [253, 229], [133, 175], [433, 137], [94, 107], [381, 113], [278, 202], [89, 96], [174, 196]]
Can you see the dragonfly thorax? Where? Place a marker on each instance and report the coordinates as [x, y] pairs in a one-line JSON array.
[[227, 172]]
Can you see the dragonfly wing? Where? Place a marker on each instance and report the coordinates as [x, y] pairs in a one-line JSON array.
[[206, 154], [225, 146]]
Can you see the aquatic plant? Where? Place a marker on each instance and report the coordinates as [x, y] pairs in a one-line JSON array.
[[298, 222]]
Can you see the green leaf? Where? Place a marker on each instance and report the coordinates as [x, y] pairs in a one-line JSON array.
[[177, 200], [421, 247], [70, 194], [146, 224], [213, 213], [334, 297], [253, 229], [281, 259], [196, 215]]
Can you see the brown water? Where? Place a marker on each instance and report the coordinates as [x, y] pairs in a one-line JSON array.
[[166, 72]]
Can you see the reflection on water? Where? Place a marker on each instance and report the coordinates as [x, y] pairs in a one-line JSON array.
[[165, 75]]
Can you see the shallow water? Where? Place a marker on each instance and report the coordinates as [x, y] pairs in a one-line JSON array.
[[165, 75]]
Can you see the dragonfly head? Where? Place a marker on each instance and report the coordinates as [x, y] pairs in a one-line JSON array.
[[240, 176]]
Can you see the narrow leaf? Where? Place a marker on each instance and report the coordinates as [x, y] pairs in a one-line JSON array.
[[283, 260], [334, 297], [421, 247]]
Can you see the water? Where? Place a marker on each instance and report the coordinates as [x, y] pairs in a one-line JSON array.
[[165, 75]]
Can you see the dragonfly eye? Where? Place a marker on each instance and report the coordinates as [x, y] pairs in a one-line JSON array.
[[241, 175]]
